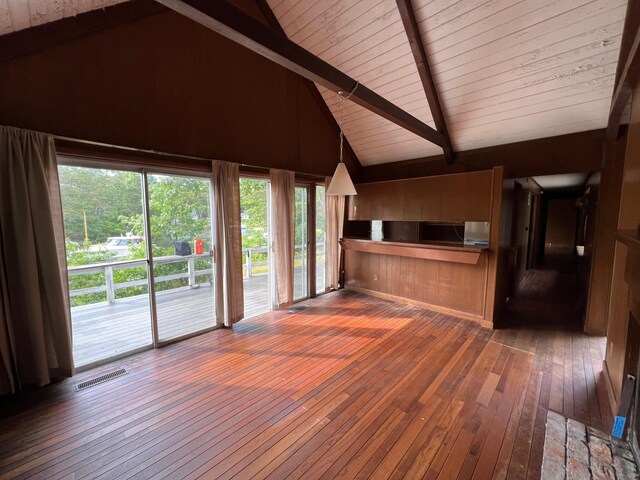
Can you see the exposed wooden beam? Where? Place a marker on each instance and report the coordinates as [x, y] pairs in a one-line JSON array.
[[313, 90], [628, 72], [235, 25], [31, 40], [422, 63]]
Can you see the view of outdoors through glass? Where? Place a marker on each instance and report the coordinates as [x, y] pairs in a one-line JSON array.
[[107, 262]]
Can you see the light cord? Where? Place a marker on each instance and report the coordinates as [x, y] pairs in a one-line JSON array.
[[342, 99]]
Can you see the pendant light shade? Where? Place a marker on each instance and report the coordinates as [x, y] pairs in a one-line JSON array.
[[341, 183]]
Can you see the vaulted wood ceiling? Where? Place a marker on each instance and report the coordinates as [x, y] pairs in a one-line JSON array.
[[505, 70]]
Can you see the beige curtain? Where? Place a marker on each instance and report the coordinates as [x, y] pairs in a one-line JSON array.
[[228, 243], [335, 222], [35, 325], [283, 208]]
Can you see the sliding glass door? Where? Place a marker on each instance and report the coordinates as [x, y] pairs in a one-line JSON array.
[[181, 234], [139, 256], [301, 244], [256, 268], [103, 213], [321, 227]]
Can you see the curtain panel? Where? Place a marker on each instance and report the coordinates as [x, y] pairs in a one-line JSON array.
[[228, 243], [283, 208], [335, 221], [35, 319]]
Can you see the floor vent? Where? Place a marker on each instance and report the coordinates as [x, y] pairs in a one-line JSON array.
[[102, 378], [298, 308]]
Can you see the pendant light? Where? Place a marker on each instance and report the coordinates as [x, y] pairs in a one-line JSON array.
[[341, 183]]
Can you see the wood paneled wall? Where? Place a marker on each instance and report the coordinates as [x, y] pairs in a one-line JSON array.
[[444, 198], [628, 219], [466, 290], [576, 152], [454, 286], [168, 84]]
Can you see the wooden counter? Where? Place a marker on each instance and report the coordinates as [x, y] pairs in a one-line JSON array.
[[426, 251]]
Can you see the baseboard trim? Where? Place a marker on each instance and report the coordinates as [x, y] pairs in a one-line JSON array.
[[428, 306]]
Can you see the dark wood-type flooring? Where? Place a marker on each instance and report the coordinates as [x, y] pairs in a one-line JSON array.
[[548, 297], [353, 387]]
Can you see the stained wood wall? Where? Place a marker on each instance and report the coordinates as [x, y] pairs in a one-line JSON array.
[[168, 84], [628, 219], [467, 290], [446, 198], [576, 152]]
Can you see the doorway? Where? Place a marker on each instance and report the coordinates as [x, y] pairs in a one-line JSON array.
[[551, 236]]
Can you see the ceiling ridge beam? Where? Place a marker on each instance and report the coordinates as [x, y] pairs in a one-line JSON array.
[[315, 93], [408, 17], [245, 30]]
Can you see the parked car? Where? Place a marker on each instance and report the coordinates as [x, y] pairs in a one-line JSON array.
[[119, 246]]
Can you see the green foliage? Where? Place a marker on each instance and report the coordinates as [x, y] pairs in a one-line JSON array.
[[179, 211], [253, 200]]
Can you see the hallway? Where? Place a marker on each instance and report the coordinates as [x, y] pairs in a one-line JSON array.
[[548, 297]]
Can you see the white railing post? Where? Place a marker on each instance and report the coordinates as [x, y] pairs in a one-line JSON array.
[[249, 263], [191, 265], [111, 290]]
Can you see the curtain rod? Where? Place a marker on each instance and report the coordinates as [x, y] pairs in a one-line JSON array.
[[162, 154]]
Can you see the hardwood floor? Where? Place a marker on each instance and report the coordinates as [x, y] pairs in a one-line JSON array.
[[352, 387]]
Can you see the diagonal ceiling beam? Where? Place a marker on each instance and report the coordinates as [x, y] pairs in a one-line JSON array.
[[313, 90], [422, 62], [241, 28]]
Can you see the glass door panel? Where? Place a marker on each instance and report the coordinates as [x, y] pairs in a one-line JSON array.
[[181, 235], [301, 242], [254, 205], [321, 226], [107, 263]]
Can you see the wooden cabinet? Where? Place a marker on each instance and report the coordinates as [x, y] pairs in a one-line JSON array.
[[444, 198], [459, 281]]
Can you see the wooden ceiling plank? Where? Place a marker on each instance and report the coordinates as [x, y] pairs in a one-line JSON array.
[[313, 90], [628, 72], [235, 25], [422, 63]]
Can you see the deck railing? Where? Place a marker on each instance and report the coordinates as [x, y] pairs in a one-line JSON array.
[[110, 286]]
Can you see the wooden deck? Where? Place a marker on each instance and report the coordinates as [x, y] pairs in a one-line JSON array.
[[353, 387], [104, 330]]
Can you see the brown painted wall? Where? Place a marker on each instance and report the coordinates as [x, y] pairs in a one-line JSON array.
[[168, 84]]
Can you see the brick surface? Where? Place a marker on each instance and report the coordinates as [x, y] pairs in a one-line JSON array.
[[553, 417], [556, 432], [576, 429], [576, 470], [552, 470], [574, 451], [598, 433], [600, 450], [577, 449], [555, 451], [601, 471], [623, 465], [621, 450]]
